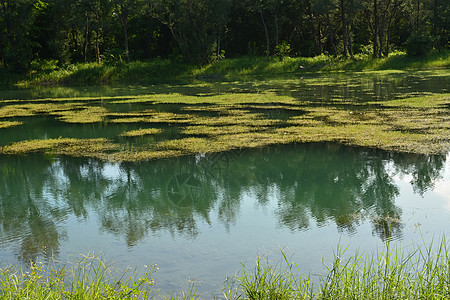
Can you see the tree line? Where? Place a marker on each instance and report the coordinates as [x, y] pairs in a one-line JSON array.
[[198, 31]]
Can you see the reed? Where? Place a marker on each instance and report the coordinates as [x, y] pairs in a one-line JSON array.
[[90, 277], [415, 272], [419, 272], [86, 278]]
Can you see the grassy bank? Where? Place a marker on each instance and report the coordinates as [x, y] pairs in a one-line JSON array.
[[392, 273], [160, 70]]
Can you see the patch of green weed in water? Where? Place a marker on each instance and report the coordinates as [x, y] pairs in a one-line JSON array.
[[9, 124]]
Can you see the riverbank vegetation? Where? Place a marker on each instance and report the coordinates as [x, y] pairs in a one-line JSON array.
[[415, 272], [59, 34], [164, 70], [392, 273]]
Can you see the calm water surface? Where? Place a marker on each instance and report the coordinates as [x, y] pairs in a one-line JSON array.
[[199, 217]]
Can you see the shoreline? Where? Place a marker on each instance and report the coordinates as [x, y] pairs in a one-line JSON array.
[[163, 70]]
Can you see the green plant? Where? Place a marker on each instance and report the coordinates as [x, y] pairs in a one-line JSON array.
[[252, 49], [113, 56], [419, 45], [282, 50], [89, 278], [393, 273], [279, 281]]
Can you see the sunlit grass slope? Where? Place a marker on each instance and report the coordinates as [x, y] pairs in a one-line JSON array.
[[160, 70]]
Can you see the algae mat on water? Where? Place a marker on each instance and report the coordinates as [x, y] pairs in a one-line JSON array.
[[174, 124]]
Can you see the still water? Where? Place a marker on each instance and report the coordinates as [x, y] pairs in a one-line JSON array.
[[199, 217]]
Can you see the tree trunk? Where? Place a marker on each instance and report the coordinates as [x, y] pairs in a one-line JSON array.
[[319, 39], [74, 38], [331, 35], [267, 34], [97, 45], [124, 20], [150, 37], [417, 16], [276, 28], [350, 42], [344, 27], [375, 29], [396, 6], [9, 27], [381, 39], [388, 38], [435, 24], [218, 47], [382, 30], [86, 39]]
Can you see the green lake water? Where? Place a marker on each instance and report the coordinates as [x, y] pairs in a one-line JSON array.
[[199, 217]]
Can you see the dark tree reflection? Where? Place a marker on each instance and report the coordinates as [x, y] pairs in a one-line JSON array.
[[311, 184], [28, 219]]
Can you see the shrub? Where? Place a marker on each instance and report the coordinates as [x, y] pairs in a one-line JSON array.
[[283, 50], [419, 45]]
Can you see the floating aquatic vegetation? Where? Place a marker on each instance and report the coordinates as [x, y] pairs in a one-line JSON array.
[[141, 132], [141, 155], [220, 122], [158, 117], [220, 130], [221, 99], [8, 124], [64, 146], [32, 109], [86, 115]]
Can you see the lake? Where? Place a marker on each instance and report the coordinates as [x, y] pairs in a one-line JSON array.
[[200, 216]]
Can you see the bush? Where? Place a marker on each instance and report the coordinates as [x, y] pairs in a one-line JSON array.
[[283, 50], [419, 45], [44, 65]]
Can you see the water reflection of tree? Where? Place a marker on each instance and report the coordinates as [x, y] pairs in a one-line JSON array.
[[319, 183], [325, 183], [27, 216], [138, 202], [425, 170]]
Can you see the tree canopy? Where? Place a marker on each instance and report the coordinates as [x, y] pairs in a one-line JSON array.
[[71, 31]]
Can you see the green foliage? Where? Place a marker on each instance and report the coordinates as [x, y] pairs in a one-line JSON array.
[[44, 65], [283, 50], [115, 70], [419, 45], [269, 281], [113, 57], [73, 31], [194, 24], [216, 57], [88, 278], [252, 50], [419, 273]]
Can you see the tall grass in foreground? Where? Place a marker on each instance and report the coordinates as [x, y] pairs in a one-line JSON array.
[[88, 278], [392, 273], [419, 273]]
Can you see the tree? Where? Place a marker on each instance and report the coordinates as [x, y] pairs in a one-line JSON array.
[[194, 24], [260, 6], [344, 26], [16, 19], [322, 11], [124, 10]]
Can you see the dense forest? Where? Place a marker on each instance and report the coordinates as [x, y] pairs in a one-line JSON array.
[[198, 31]]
